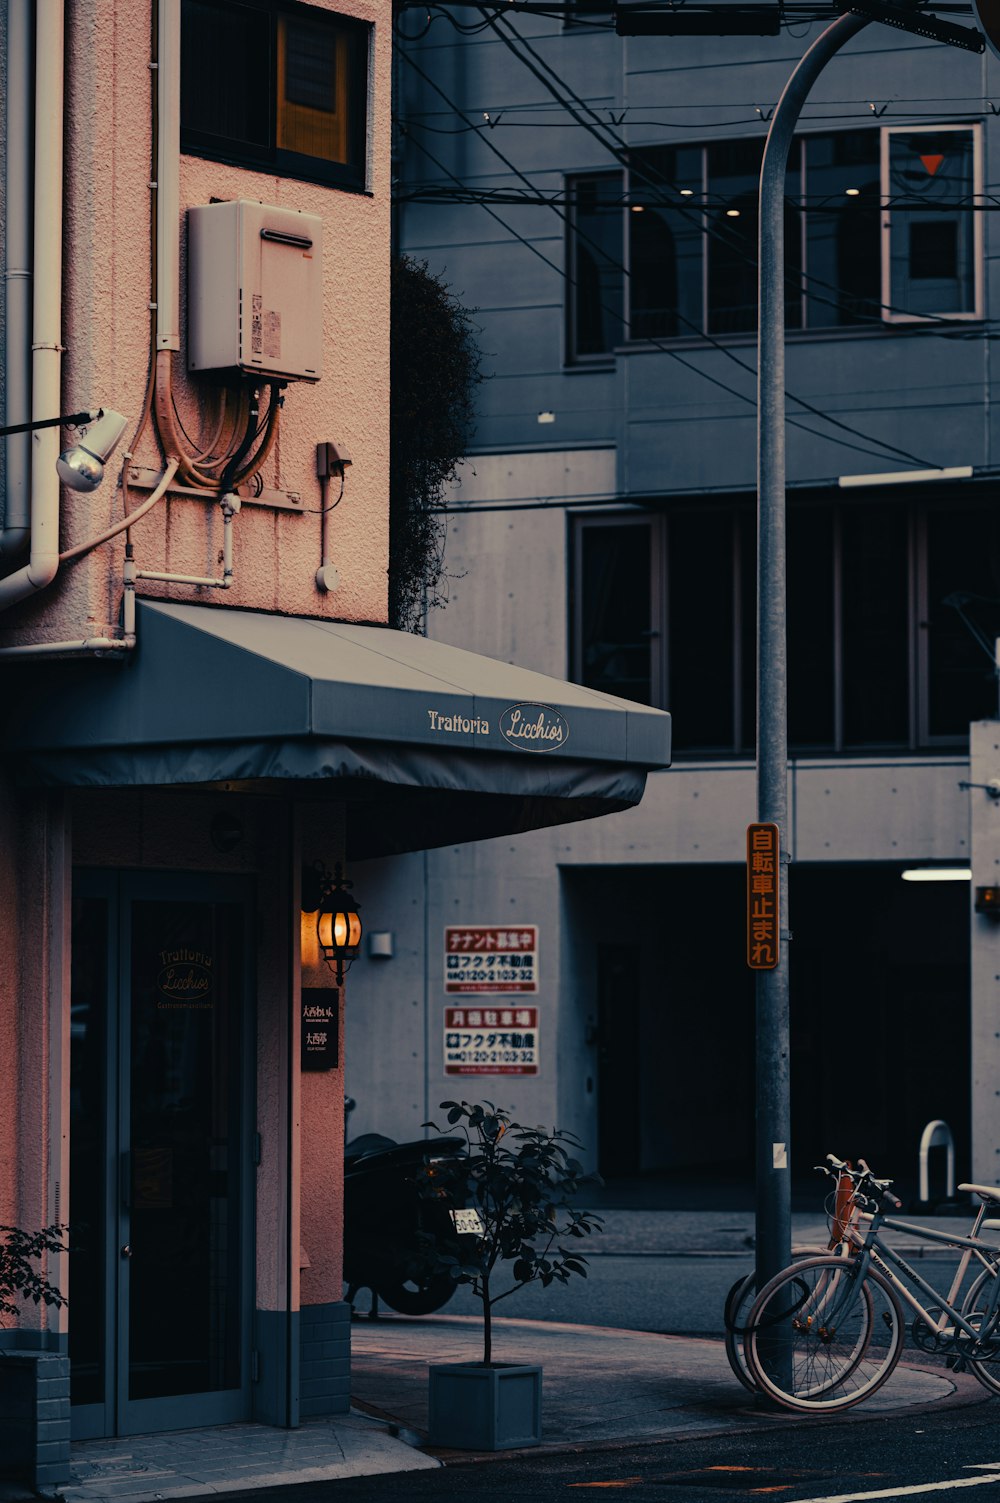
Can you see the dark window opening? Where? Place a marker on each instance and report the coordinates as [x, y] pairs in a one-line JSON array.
[[596, 280], [933, 250], [291, 98], [616, 610], [891, 612]]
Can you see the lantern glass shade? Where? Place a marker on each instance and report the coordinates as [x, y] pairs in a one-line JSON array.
[[338, 929]]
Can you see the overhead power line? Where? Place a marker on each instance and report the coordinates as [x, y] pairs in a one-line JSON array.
[[884, 448]]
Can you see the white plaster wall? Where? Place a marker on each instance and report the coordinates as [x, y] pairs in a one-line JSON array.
[[106, 323]]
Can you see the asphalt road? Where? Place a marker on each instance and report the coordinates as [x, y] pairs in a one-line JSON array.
[[679, 1296], [943, 1456]]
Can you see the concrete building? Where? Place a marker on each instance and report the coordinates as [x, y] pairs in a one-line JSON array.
[[205, 712], [594, 198]]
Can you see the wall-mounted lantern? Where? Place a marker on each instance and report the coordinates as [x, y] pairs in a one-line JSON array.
[[338, 924], [988, 901]]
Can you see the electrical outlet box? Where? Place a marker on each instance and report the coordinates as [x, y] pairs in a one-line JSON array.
[[255, 291]]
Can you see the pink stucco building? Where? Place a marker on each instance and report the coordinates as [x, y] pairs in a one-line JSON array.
[[204, 699]]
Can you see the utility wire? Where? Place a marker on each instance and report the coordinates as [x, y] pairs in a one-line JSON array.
[[618, 148], [688, 364], [817, 412]]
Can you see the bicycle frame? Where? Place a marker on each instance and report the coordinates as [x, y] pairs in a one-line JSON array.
[[871, 1248]]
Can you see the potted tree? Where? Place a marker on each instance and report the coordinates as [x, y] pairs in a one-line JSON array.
[[514, 1192], [21, 1253]]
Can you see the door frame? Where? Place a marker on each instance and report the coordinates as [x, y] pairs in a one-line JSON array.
[[116, 1414]]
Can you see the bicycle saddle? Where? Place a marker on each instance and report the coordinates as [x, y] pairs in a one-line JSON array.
[[988, 1192]]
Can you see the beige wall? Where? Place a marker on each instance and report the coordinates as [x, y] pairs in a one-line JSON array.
[[34, 1025], [106, 333]]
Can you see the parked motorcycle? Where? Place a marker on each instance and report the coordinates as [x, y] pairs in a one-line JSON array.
[[397, 1204]]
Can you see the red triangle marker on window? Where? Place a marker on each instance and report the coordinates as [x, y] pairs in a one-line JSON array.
[[932, 163]]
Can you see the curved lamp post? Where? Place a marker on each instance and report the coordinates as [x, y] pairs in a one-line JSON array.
[[773, 1220]]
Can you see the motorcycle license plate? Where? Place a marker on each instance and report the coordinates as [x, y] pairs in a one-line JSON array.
[[468, 1223]]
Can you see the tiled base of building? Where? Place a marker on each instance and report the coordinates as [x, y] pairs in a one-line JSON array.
[[34, 1418], [325, 1359]]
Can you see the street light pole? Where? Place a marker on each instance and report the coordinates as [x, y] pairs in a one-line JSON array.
[[773, 1219]]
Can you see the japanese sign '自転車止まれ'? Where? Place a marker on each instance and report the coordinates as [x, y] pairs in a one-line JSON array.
[[491, 958], [763, 934]]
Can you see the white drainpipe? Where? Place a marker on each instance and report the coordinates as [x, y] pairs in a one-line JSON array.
[[46, 345], [168, 174], [17, 353]]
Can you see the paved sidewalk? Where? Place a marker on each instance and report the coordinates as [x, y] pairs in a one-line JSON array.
[[600, 1386]]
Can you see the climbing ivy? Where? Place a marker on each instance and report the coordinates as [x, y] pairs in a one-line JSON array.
[[435, 369]]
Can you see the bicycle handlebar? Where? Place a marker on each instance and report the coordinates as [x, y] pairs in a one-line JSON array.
[[865, 1183]]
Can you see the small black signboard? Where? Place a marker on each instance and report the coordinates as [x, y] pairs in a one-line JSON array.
[[320, 1024]]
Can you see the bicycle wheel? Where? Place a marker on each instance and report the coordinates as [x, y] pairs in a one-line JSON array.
[[987, 1368], [736, 1317], [736, 1311], [815, 1344]]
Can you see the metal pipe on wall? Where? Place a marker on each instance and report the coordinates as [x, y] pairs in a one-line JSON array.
[[17, 335], [46, 339]]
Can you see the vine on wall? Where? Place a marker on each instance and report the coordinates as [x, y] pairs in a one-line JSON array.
[[434, 371]]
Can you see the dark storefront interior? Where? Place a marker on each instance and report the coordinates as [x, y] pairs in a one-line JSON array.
[[880, 1028]]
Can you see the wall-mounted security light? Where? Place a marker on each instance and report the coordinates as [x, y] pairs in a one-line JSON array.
[[82, 466], [988, 901]]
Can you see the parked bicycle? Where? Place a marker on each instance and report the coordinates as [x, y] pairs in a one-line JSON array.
[[842, 1210], [827, 1331]]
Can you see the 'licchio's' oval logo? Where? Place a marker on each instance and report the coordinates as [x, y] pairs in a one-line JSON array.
[[534, 727], [189, 982]]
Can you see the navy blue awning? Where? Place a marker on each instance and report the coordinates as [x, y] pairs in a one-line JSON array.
[[428, 743]]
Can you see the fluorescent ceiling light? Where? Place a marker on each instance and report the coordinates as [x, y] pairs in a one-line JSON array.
[[937, 874], [906, 477]]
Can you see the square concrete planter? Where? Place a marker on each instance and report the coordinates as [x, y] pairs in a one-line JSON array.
[[476, 1408]]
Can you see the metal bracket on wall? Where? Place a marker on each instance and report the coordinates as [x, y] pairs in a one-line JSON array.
[[145, 479]]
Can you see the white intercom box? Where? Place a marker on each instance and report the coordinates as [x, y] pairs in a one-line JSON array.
[[255, 291]]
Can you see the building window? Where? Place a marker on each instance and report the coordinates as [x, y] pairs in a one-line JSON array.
[[877, 230], [277, 87], [891, 609], [931, 252], [595, 265]]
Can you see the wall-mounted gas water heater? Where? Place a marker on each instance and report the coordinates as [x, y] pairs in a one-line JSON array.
[[255, 292]]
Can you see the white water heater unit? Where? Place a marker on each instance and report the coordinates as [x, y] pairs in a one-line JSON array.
[[255, 291]]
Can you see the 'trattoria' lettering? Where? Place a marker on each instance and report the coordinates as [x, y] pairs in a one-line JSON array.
[[460, 725]]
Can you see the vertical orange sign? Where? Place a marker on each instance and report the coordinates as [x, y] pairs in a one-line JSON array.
[[763, 937]]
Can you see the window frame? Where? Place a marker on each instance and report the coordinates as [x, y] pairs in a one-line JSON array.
[[599, 359], [276, 161], [736, 514], [889, 316], [658, 604]]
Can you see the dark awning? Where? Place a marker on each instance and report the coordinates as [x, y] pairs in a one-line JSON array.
[[428, 744]]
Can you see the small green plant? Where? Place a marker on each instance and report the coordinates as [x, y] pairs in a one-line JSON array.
[[20, 1252], [521, 1181]]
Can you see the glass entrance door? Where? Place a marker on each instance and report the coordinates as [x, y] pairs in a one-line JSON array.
[[160, 1272]]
